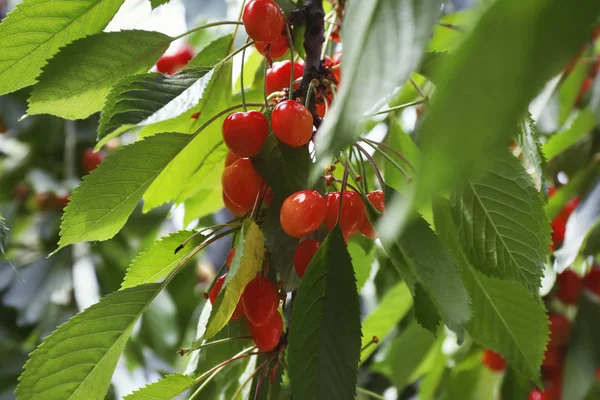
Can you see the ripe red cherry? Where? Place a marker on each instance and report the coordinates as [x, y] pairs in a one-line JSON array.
[[292, 123], [376, 198], [493, 360], [353, 212], [231, 158], [552, 357], [275, 49], [592, 280], [245, 133], [91, 160], [229, 258], [302, 213], [233, 208], [560, 329], [169, 64], [278, 76], [303, 254], [260, 300], [241, 184], [263, 20], [323, 105], [267, 336], [268, 197], [239, 311], [569, 287]]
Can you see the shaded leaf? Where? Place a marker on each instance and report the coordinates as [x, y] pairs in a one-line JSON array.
[[322, 362], [36, 29], [577, 127], [515, 385], [75, 90], [529, 141], [362, 260]]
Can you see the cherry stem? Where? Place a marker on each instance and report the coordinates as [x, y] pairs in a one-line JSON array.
[[390, 148], [352, 172], [311, 87], [396, 108], [233, 54], [328, 33], [197, 346], [291, 46], [258, 199], [392, 161], [363, 170], [374, 340], [242, 76], [373, 164], [349, 185], [199, 28], [214, 227], [257, 370], [417, 88], [457, 28], [369, 393], [344, 183]]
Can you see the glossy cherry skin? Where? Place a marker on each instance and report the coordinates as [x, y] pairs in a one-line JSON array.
[[233, 208], [91, 160], [276, 49], [302, 213], [231, 158], [292, 123], [267, 336], [239, 310], [260, 300], [303, 254], [263, 20], [169, 64], [229, 258], [569, 287], [376, 198], [278, 76], [245, 133], [493, 360], [353, 212], [591, 281], [560, 330], [241, 184]]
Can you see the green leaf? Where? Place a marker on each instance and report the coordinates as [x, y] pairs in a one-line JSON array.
[[149, 98], [156, 3], [403, 143], [583, 352], [515, 385], [323, 361], [207, 175], [76, 89], [248, 261], [167, 388], [78, 359], [502, 224], [205, 202], [36, 29], [100, 206], [392, 309], [529, 141], [571, 85], [160, 259], [474, 112], [362, 260], [577, 127], [407, 27]]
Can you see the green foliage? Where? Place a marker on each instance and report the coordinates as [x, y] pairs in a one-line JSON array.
[[323, 361], [166, 388], [161, 258], [362, 260], [529, 141], [100, 206], [577, 127], [248, 261], [36, 30], [502, 213], [78, 359], [77, 90]]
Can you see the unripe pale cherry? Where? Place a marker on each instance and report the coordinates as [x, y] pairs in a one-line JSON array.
[[376, 198], [263, 20], [278, 76], [302, 213], [245, 133], [304, 254], [267, 336], [352, 215], [241, 184], [292, 123], [260, 300]]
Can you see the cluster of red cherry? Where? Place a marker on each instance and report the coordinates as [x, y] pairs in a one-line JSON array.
[[559, 223]]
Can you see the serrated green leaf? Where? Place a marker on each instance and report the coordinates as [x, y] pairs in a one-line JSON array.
[[75, 90], [528, 139], [248, 261], [160, 259], [100, 206], [167, 388], [502, 224], [36, 29], [205, 202], [402, 143], [207, 175], [393, 307], [578, 126], [583, 352], [324, 341], [407, 27], [78, 359]]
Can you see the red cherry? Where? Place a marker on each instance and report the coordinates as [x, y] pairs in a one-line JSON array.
[[91, 160], [321, 105], [229, 258], [267, 336], [268, 197], [238, 312], [560, 329], [353, 212], [493, 360], [275, 49], [260, 300], [552, 357], [245, 133], [569, 287], [598, 374], [302, 213], [214, 292], [278, 76], [263, 20], [292, 123], [303, 254], [241, 184], [231, 158], [585, 86], [591, 281], [169, 64], [233, 208], [376, 198]]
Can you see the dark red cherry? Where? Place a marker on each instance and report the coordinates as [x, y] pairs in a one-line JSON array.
[[493, 360], [353, 212], [276, 49], [267, 336], [303, 254], [263, 20], [91, 160], [278, 76], [591, 281], [260, 300], [376, 198], [245, 133], [569, 286]]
